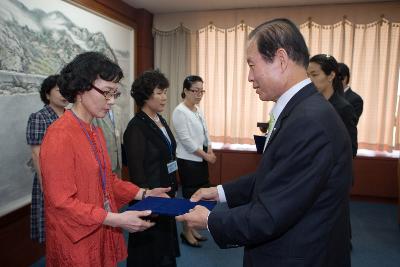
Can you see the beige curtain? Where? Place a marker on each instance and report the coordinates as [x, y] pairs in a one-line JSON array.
[[232, 108], [372, 53], [397, 130], [172, 54], [376, 55], [336, 39]]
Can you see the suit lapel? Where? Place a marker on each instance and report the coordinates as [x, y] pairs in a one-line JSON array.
[[305, 92]]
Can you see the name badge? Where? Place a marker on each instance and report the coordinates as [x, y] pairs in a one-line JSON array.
[[172, 166], [107, 206]]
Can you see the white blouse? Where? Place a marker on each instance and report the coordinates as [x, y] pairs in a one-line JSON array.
[[190, 131]]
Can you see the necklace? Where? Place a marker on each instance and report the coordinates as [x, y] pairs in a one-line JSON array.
[[156, 118]]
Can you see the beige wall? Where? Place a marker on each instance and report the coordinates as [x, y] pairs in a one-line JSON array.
[[322, 14]]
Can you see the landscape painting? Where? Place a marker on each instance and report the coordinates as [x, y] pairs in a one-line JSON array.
[[37, 38]]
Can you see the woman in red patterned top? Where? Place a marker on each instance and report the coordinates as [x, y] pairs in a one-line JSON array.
[[82, 195]]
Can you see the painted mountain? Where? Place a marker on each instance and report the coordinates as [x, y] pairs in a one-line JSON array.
[[35, 44]]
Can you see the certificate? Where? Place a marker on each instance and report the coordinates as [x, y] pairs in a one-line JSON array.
[[169, 206]]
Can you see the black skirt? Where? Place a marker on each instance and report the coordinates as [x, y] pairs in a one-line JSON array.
[[193, 175]]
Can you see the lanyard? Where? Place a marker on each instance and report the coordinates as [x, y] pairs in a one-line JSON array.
[[169, 144], [197, 114], [102, 167]]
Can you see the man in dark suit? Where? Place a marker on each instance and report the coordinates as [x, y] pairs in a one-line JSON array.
[[354, 99], [293, 210]]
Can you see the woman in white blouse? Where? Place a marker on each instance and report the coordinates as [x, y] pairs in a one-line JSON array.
[[193, 147]]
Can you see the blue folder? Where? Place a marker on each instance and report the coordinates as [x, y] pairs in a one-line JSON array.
[[260, 142], [169, 206]]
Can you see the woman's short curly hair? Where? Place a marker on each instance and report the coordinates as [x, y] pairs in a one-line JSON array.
[[79, 75], [48, 84], [143, 87]]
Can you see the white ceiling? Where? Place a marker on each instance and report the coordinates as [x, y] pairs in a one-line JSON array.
[[171, 6]]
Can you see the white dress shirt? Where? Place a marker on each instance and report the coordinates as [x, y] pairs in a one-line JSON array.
[[282, 102]]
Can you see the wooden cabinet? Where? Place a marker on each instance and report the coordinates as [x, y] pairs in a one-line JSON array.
[[398, 184], [231, 164], [375, 177]]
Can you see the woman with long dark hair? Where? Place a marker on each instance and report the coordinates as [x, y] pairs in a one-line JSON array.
[[324, 73]]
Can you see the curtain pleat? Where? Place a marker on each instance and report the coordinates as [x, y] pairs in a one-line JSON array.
[[172, 55]]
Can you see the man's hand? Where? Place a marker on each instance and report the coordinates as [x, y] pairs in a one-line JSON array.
[[129, 220], [210, 193], [196, 218]]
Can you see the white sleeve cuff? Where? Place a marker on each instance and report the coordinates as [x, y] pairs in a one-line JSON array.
[[208, 229], [221, 194]]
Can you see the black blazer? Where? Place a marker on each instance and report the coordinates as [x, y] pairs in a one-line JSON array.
[[293, 210], [356, 101], [148, 153], [349, 118]]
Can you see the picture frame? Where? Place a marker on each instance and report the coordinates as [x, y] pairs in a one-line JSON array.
[[38, 38]]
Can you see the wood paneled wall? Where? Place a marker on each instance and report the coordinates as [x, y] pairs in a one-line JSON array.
[[17, 249]]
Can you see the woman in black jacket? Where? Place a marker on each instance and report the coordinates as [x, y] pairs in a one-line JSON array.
[[323, 72], [150, 150]]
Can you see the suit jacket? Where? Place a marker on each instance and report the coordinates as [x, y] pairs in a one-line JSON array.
[[292, 211], [349, 118], [356, 101], [112, 134], [148, 153]]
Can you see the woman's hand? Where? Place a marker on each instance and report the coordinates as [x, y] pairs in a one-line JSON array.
[[131, 221], [158, 192], [155, 192], [210, 157]]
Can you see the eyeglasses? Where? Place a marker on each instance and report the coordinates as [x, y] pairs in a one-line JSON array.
[[197, 92], [107, 94]]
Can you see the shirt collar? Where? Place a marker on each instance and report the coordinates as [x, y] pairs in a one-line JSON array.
[[51, 112], [285, 98], [346, 88]]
